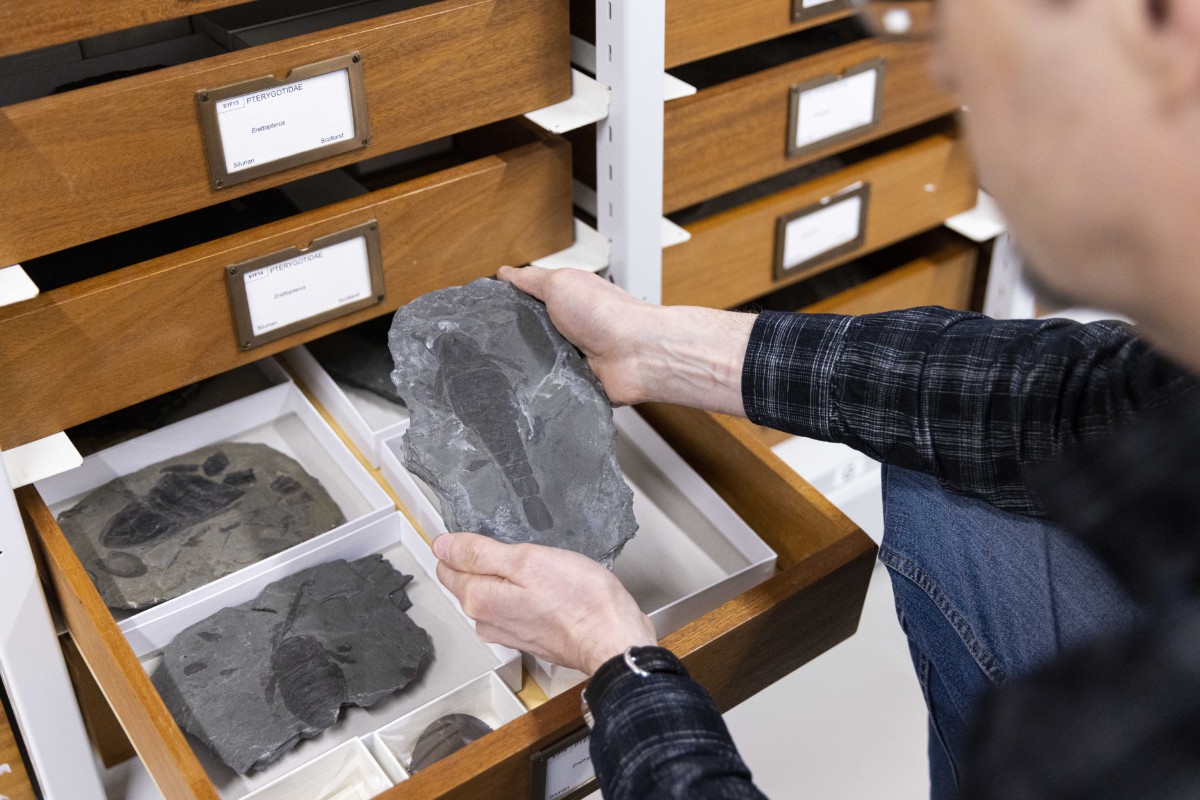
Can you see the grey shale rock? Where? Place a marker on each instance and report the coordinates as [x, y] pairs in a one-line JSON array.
[[446, 736], [359, 357], [179, 524], [510, 428], [252, 681]]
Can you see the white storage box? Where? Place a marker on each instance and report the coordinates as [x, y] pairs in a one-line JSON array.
[[279, 417], [691, 553], [486, 698], [459, 655], [347, 772], [367, 419]]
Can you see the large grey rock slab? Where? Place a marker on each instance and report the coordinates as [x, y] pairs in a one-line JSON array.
[[359, 357], [509, 427], [445, 736], [179, 524], [252, 681]]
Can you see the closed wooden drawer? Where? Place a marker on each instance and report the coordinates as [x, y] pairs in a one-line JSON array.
[[89, 348], [26, 26], [94, 161], [735, 651], [738, 131], [736, 255], [698, 29]]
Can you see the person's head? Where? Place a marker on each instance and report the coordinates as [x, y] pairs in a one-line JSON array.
[[1084, 118]]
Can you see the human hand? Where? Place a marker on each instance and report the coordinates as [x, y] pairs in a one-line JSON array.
[[609, 326], [643, 352], [555, 604]]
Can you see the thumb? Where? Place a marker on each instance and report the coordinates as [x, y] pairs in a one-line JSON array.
[[475, 554], [530, 280]]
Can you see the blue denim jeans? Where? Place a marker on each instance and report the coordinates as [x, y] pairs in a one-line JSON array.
[[984, 596]]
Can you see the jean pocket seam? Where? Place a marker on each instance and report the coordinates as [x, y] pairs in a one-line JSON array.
[[909, 570]]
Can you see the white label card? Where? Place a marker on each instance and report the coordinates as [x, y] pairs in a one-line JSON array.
[[569, 770], [814, 3], [281, 121], [818, 232], [308, 285], [837, 107]]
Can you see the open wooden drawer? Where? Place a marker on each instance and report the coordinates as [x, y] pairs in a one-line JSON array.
[[107, 158], [748, 244], [744, 125], [698, 29], [735, 651], [83, 350]]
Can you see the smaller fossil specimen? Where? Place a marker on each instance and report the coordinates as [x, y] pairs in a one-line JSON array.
[[359, 357], [252, 681], [446, 736], [184, 522]]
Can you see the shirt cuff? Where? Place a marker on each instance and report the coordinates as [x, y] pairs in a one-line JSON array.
[[790, 371]]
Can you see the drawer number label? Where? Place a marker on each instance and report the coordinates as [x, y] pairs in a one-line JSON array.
[[565, 770], [285, 292], [821, 232], [835, 107], [265, 125]]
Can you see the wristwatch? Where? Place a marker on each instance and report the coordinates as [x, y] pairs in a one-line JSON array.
[[641, 661]]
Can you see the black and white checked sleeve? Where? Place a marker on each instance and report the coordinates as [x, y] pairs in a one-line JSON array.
[[971, 400]]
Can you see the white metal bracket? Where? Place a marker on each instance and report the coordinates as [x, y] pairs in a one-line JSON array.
[[592, 251], [41, 459], [16, 285], [982, 223], [588, 104]]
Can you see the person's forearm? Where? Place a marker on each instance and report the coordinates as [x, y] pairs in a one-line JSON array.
[[694, 356]]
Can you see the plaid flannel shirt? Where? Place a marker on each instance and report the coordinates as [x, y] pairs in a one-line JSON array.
[[978, 403]]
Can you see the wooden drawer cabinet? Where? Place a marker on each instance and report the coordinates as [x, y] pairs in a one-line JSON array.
[[733, 255], [698, 29], [89, 348], [737, 132], [735, 651], [107, 158]]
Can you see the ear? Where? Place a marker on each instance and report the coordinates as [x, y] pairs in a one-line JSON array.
[[1162, 40]]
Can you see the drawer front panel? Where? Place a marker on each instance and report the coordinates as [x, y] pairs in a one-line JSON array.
[[698, 29], [108, 158], [14, 780], [737, 133], [732, 255], [816, 600], [67, 355], [945, 278]]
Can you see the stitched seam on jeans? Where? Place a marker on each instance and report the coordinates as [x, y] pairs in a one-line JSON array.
[[908, 569]]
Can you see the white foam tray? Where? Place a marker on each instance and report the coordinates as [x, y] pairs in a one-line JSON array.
[[367, 419], [279, 417], [487, 698], [459, 655], [691, 554]]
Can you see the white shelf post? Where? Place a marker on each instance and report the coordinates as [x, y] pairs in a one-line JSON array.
[[630, 53]]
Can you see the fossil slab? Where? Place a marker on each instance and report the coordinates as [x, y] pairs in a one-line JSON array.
[[359, 357], [510, 428], [252, 681], [446, 736], [179, 524]]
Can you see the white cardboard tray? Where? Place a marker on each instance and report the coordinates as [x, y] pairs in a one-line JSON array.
[[280, 417], [459, 655], [486, 698], [367, 419], [692, 552], [347, 772]]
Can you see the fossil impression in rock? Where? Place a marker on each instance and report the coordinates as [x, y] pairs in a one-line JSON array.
[[510, 428], [252, 681], [179, 524], [446, 736]]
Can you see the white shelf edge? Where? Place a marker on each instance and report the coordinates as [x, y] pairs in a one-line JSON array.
[[590, 252], [41, 459], [16, 285]]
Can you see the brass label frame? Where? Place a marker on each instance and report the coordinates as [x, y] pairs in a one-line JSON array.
[[797, 91], [207, 100], [783, 273], [235, 277], [800, 13], [540, 763]]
